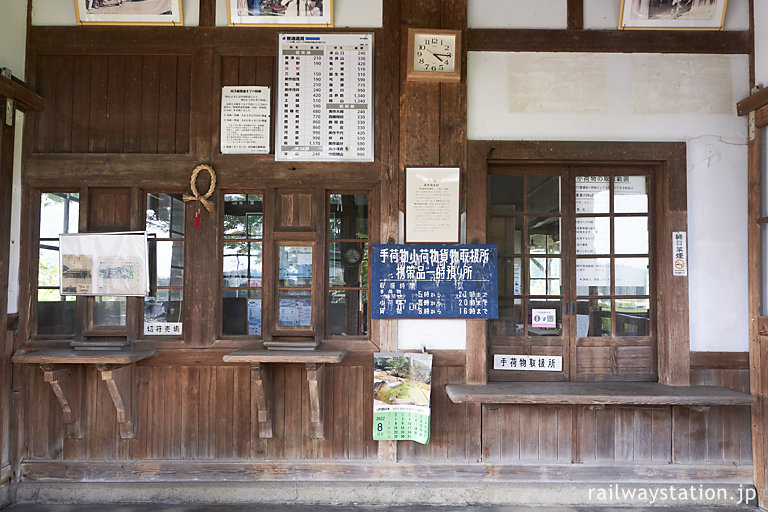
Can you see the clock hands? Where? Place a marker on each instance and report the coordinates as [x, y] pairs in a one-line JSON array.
[[438, 55]]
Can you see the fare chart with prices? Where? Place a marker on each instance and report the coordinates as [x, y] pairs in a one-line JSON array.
[[325, 97]]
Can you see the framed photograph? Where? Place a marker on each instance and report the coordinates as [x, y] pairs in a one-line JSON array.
[[284, 13], [672, 14], [432, 204], [129, 12]]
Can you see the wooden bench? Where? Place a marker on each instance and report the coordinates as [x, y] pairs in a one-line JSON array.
[[597, 394], [314, 360], [116, 368]]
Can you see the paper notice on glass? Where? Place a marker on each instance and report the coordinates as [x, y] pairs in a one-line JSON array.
[[432, 204], [592, 194], [245, 115], [545, 318], [104, 264], [295, 313], [254, 317]]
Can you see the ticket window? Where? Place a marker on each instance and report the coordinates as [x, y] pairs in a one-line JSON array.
[[575, 269]]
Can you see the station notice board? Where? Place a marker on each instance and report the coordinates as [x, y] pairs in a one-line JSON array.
[[434, 281]]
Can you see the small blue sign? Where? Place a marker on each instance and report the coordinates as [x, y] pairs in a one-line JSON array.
[[434, 281]]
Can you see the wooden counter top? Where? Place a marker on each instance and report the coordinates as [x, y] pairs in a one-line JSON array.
[[71, 356]]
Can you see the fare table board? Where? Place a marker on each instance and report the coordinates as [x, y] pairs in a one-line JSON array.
[[434, 281], [325, 97]]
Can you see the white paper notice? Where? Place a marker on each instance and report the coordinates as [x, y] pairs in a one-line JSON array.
[[245, 119], [680, 248], [432, 205], [546, 318]]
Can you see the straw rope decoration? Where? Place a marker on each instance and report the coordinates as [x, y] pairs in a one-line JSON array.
[[196, 195]]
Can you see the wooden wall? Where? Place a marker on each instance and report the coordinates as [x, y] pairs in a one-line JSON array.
[[138, 107]]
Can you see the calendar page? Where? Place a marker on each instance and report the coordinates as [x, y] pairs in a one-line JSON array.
[[325, 97], [401, 396]]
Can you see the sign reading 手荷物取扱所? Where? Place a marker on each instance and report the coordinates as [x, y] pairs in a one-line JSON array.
[[433, 281]]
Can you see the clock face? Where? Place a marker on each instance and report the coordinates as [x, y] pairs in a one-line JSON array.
[[434, 53]]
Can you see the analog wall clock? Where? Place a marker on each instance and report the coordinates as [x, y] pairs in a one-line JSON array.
[[434, 55]]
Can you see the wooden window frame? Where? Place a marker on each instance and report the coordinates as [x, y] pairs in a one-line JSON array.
[[669, 161]]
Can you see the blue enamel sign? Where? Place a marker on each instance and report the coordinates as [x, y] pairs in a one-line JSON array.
[[434, 281]]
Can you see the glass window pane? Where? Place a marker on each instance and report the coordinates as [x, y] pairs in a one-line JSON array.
[[544, 235], [543, 193], [545, 318], [295, 266], [59, 213], [593, 318], [505, 194], [55, 313], [109, 311], [632, 276], [593, 194], [631, 235], [348, 217], [243, 216], [510, 321], [346, 264], [294, 308], [241, 313], [633, 317], [165, 215], [506, 233], [593, 276], [164, 306], [347, 313], [48, 264], [166, 260], [593, 235], [630, 194], [242, 264], [544, 276]]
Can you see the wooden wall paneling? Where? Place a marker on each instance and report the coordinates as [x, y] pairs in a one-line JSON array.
[[341, 417], [149, 103], [548, 441], [63, 104], [172, 397], [223, 412], [97, 124], [189, 384], [183, 98], [207, 419], [296, 426], [359, 430], [81, 106], [138, 445], [201, 104], [265, 76], [662, 440], [624, 438], [575, 14], [207, 13], [642, 435], [116, 104], [246, 73], [156, 414], [241, 412], [46, 120], [167, 90], [132, 111], [605, 439], [275, 447]]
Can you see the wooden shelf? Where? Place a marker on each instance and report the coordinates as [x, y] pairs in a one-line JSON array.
[[116, 368], [314, 360], [596, 393]]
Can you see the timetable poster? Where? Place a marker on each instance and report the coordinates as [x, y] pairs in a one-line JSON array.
[[325, 97], [401, 396]]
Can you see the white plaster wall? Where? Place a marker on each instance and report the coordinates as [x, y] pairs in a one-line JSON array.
[[643, 97], [518, 14], [346, 14], [761, 43], [13, 34]]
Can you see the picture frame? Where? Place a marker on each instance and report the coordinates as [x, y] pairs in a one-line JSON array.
[[280, 13], [432, 202], [672, 14], [129, 12]]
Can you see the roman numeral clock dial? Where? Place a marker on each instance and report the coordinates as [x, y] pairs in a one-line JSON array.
[[434, 55]]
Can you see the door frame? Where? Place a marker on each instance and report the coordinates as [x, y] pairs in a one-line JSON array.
[[671, 304]]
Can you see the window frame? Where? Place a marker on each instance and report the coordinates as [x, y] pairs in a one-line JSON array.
[[670, 212]]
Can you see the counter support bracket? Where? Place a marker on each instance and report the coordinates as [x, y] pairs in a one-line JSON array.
[[68, 386]]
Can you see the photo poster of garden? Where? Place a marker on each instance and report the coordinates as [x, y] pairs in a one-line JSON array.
[[104, 264], [402, 387]]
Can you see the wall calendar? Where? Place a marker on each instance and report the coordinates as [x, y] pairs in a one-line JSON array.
[[325, 97]]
